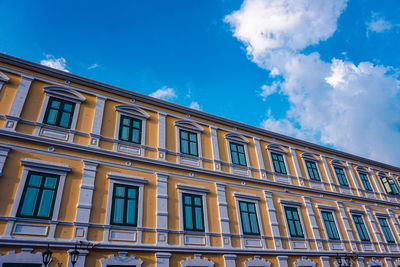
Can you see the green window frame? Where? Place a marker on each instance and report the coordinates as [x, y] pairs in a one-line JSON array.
[[248, 216], [312, 170], [38, 196], [124, 209], [341, 176], [365, 181], [389, 185], [294, 222], [59, 112], [386, 230], [188, 143], [238, 154], [193, 213], [279, 163], [330, 225], [130, 130], [361, 229]]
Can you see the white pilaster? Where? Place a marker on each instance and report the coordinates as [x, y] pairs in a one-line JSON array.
[[230, 260], [223, 215], [355, 179], [328, 173], [215, 148], [375, 229], [97, 121], [296, 162], [162, 259], [282, 260], [314, 225], [347, 225], [273, 220], [378, 184], [162, 209], [161, 135], [260, 158], [325, 261], [3, 157], [395, 223]]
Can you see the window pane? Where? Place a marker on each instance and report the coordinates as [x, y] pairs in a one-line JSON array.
[[119, 191], [124, 133], [254, 223], [126, 121], [184, 135], [55, 104], [197, 201], [184, 146], [233, 147], [35, 180], [67, 107], [243, 206], [132, 192], [187, 200], [50, 182], [135, 136], [235, 158], [193, 137], [137, 124], [45, 203], [52, 116], [29, 201], [193, 149], [188, 218], [242, 159], [64, 121], [131, 212], [246, 223], [199, 218], [299, 229], [240, 148], [118, 210], [289, 214], [283, 168], [292, 228]]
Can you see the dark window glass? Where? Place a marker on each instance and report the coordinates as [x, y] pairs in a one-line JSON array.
[[294, 223], [386, 230], [59, 112], [248, 216], [130, 130], [312, 170], [238, 155], [38, 196], [188, 143], [279, 163], [193, 213], [341, 176], [389, 185], [124, 205], [365, 181], [362, 231], [330, 225]]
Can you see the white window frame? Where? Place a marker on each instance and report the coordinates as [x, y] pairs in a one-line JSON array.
[[278, 149], [197, 261], [332, 210], [121, 259], [130, 180], [241, 140], [193, 190], [363, 170], [362, 214], [297, 205], [62, 93], [192, 127], [135, 112], [342, 165], [387, 218], [314, 158]]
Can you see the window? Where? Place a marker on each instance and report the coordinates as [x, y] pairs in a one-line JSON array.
[[312, 170], [193, 213], [330, 225], [293, 221], [386, 230], [188, 143], [237, 154], [38, 196], [365, 181], [130, 130], [124, 205], [59, 112], [278, 162], [360, 226], [248, 216], [341, 176], [389, 185]]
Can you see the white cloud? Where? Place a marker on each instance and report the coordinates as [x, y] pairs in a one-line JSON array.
[[195, 105], [56, 63], [93, 66], [164, 93], [267, 90], [378, 24], [352, 107]]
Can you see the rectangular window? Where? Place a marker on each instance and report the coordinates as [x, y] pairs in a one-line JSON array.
[[188, 143], [330, 225], [386, 230], [38, 196], [312, 170], [130, 130], [279, 163], [389, 185], [362, 231], [293, 221], [59, 112], [248, 216], [124, 205], [193, 213], [365, 181], [238, 155], [341, 176]]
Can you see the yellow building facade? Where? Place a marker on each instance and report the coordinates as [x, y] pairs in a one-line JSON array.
[[130, 180]]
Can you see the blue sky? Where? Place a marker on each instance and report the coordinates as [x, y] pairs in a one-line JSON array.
[[320, 70]]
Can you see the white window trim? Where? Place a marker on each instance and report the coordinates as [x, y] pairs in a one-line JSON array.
[[342, 165], [362, 214], [387, 218], [66, 94], [297, 205], [316, 160], [374, 262], [125, 179], [192, 127], [304, 262], [197, 261], [135, 112], [333, 210], [241, 140], [121, 259], [278, 149], [252, 199], [257, 262], [366, 172], [25, 256], [193, 190]]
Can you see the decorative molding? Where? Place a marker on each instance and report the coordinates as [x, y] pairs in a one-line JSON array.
[[290, 203], [304, 262], [277, 148], [339, 163], [4, 78], [121, 259], [189, 125], [237, 138], [132, 110], [197, 262], [3, 157], [64, 92], [257, 262], [35, 163], [25, 256], [374, 262], [246, 196], [310, 156], [126, 178]]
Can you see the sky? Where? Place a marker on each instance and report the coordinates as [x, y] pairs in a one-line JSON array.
[[325, 71]]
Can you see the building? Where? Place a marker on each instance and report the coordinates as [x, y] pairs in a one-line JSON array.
[[129, 180]]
